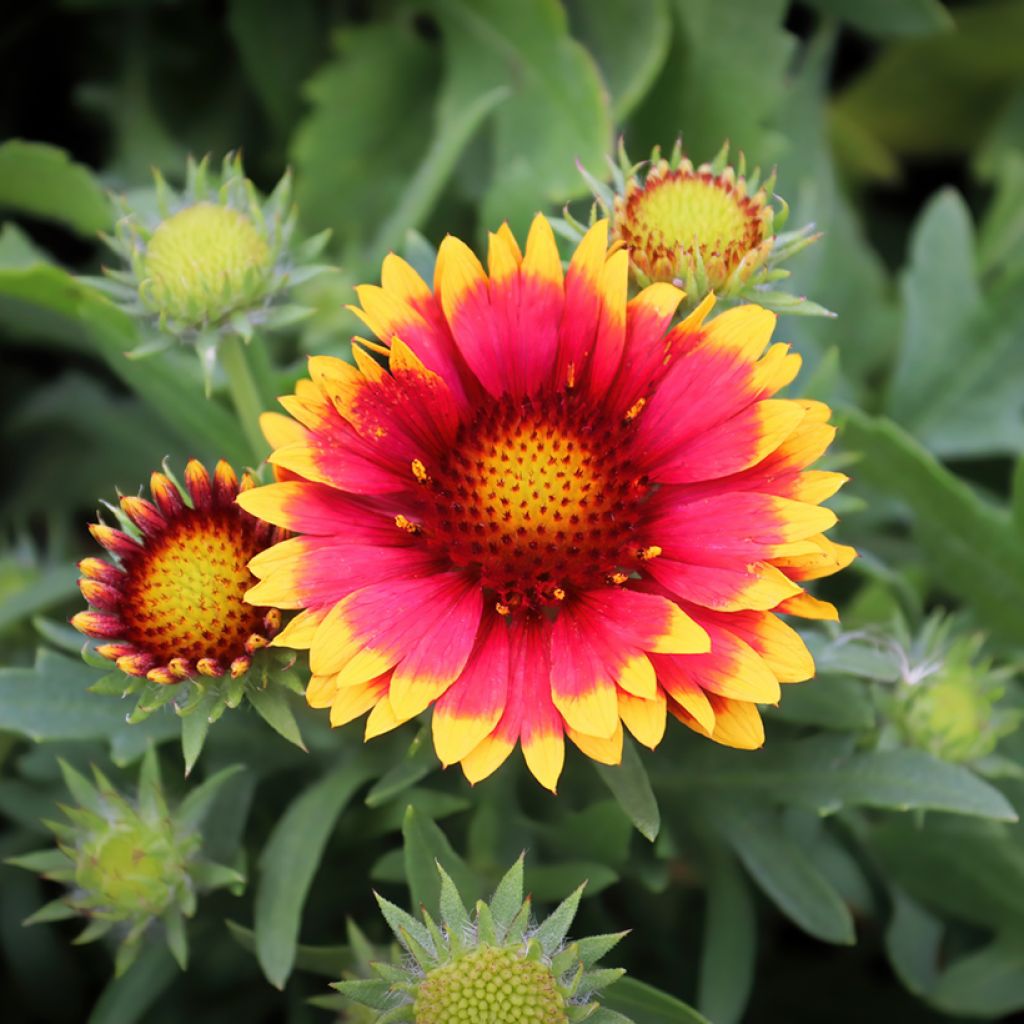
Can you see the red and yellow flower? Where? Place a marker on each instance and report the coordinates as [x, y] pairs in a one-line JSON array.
[[169, 604], [551, 514]]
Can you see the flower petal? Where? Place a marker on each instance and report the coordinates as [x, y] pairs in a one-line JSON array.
[[470, 708]]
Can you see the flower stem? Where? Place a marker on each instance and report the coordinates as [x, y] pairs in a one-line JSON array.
[[245, 394]]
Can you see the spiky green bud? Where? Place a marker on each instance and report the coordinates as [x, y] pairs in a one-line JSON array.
[[713, 228], [952, 711], [495, 966], [131, 865], [215, 260]]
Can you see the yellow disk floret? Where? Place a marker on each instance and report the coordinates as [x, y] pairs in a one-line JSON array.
[[684, 220], [203, 262], [491, 985]]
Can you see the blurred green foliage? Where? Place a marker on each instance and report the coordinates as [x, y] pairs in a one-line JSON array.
[[898, 128]]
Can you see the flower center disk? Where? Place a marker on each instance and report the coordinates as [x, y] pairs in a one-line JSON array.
[[490, 986], [184, 593], [691, 212], [540, 497]]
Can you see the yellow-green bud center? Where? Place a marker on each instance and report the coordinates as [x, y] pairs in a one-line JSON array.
[[203, 262], [950, 716], [687, 210], [491, 985], [130, 871], [679, 220]]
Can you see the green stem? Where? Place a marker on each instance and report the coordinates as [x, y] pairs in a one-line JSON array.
[[245, 394]]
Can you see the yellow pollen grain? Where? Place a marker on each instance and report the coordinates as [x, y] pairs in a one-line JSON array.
[[502, 609], [618, 578], [420, 471], [635, 409], [404, 523], [646, 554], [558, 594]]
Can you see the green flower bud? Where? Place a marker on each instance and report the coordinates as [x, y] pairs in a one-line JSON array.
[[128, 867], [131, 865], [217, 260], [708, 228], [492, 967], [953, 713], [204, 262]]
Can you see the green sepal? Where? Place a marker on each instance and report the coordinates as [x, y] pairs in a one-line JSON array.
[[368, 992], [177, 940], [453, 910], [553, 930], [508, 896], [95, 929], [593, 947], [405, 926], [55, 910], [209, 876], [40, 861]]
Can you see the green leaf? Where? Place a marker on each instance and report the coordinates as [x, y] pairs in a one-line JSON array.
[[913, 941], [1017, 496], [419, 761], [42, 181], [51, 701], [630, 43], [940, 296], [647, 1005], [959, 369], [558, 112], [463, 104], [426, 846], [729, 949], [988, 983], [832, 702], [45, 301], [972, 871], [17, 248], [631, 787], [195, 726], [328, 961], [45, 589], [275, 72], [549, 882], [972, 549], [195, 807], [824, 773], [370, 106], [1001, 230], [784, 873], [274, 707], [288, 863], [723, 80], [889, 17], [128, 998], [939, 95]]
